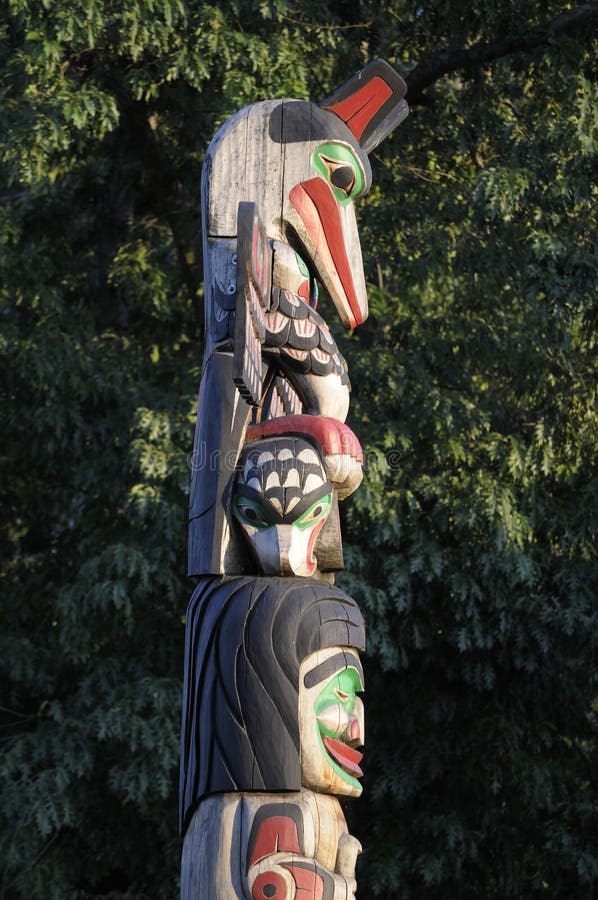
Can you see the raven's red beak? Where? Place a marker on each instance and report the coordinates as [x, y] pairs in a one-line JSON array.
[[333, 244]]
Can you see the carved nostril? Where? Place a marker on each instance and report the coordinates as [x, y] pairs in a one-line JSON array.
[[355, 732]]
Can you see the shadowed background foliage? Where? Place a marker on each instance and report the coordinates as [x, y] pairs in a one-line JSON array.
[[471, 546]]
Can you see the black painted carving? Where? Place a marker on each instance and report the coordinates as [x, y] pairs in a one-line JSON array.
[[246, 640]]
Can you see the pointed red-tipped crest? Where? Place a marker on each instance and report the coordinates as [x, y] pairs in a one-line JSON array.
[[371, 103]]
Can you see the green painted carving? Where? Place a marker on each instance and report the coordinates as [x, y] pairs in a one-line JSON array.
[[339, 713], [342, 169]]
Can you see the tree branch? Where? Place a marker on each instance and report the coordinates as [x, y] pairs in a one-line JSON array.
[[450, 59]]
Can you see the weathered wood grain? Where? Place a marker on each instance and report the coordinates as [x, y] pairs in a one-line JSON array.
[[238, 844], [254, 285], [223, 416], [271, 718]]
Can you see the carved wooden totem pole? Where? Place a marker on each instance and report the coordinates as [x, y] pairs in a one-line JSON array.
[[271, 716]]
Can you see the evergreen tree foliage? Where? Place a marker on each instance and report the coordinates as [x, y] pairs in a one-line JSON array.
[[471, 546]]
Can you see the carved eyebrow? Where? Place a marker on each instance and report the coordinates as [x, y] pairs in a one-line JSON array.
[[308, 500], [331, 667], [275, 516], [270, 512]]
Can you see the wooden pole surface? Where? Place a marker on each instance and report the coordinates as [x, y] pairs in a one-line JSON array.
[[272, 718]]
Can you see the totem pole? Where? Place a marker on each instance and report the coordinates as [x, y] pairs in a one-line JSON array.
[[271, 716]]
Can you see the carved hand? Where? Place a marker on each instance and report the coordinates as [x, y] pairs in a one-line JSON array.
[[290, 877]]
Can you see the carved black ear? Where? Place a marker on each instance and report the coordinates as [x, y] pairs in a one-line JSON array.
[[371, 103]]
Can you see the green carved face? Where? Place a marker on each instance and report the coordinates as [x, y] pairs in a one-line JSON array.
[[340, 167], [339, 714]]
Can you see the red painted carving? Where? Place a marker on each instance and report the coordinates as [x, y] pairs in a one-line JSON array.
[[332, 437], [347, 757], [310, 885], [303, 291], [358, 110], [260, 262], [269, 886], [315, 203], [276, 833]]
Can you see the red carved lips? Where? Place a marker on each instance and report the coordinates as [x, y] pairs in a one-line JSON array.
[[315, 203], [347, 758]]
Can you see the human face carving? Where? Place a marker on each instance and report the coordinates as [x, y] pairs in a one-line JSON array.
[[331, 721]]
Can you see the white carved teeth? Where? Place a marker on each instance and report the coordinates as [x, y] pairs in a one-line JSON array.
[[292, 504], [273, 480], [292, 479], [309, 456], [312, 482]]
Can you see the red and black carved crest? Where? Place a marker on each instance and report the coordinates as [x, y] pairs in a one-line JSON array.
[[371, 103]]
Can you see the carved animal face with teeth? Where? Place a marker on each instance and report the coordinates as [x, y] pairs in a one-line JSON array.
[[282, 499]]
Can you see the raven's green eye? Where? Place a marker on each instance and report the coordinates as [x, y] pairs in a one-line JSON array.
[[341, 168], [251, 513], [316, 511], [340, 175]]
